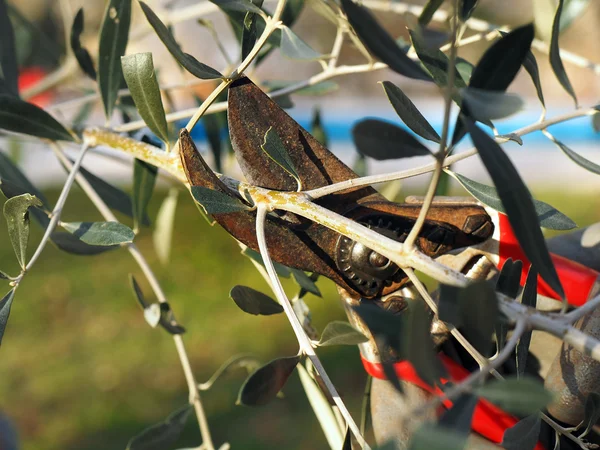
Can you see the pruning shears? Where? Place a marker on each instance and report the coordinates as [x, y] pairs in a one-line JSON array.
[[456, 232]]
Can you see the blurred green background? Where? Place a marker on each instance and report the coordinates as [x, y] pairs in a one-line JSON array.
[[81, 369]]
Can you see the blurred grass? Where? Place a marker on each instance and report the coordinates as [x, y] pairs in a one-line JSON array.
[[80, 369]]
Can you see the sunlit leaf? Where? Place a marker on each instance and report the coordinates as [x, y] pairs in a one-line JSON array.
[[113, 42], [575, 157], [163, 231], [516, 395], [191, 64], [484, 105], [295, 48], [275, 149], [428, 11], [409, 113], [22, 117], [162, 435], [523, 435], [263, 385], [138, 70], [16, 212], [548, 216], [86, 64], [152, 314], [518, 204], [382, 140], [8, 56], [144, 179], [254, 302], [341, 333], [100, 233], [555, 59], [380, 43]]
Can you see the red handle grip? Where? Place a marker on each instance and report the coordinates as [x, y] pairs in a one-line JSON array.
[[577, 280]]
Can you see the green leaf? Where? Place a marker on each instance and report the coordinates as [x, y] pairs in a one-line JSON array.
[[473, 308], [16, 212], [317, 129], [409, 113], [531, 66], [254, 302], [295, 48], [428, 11], [592, 411], [484, 105], [382, 140], [5, 305], [113, 42], [191, 64], [250, 30], [217, 202], [243, 361], [86, 64], [137, 290], [166, 319], [138, 70], [263, 385], [341, 333], [467, 9], [520, 396], [431, 437], [464, 68], [529, 298], [380, 43], [575, 157], [436, 63], [162, 236], [275, 149], [100, 233], [19, 183], [305, 282], [555, 59], [523, 435], [518, 204], [8, 56], [162, 435], [22, 117], [71, 244], [548, 216], [460, 416], [237, 5], [144, 179]]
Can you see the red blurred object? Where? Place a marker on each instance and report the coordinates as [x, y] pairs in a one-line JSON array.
[[29, 77]]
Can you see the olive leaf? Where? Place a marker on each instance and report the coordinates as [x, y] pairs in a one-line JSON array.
[[305, 282], [548, 216], [431, 437], [113, 42], [518, 204], [318, 130], [523, 435], [409, 113], [341, 333], [467, 9], [573, 156], [5, 305], [244, 361], [529, 298], [138, 70], [8, 55], [100, 233], [162, 237], [16, 212], [254, 302], [86, 64], [162, 435], [555, 59], [428, 11], [238, 5], [380, 43], [26, 118], [516, 395], [592, 412], [275, 149], [144, 180], [189, 63], [382, 140], [531, 66], [217, 202], [295, 48], [263, 385], [484, 105]]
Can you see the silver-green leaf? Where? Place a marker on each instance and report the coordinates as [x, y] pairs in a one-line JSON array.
[[100, 233], [16, 212], [217, 202], [163, 230], [138, 70], [113, 42], [548, 216], [575, 157], [487, 105], [295, 48], [341, 333], [274, 148]]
